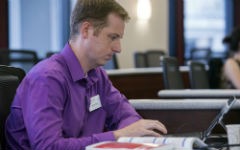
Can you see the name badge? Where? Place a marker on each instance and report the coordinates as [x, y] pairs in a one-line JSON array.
[[95, 103]]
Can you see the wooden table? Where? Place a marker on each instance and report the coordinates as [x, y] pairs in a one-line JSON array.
[[186, 115], [141, 83]]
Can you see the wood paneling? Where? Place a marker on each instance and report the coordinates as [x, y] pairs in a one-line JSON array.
[[4, 23], [188, 120], [141, 86]]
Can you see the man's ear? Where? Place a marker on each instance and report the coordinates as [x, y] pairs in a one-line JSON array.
[[85, 29]]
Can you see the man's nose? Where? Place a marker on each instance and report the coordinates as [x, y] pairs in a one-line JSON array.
[[117, 47]]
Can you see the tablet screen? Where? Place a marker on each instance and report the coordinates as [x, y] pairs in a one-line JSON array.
[[219, 117]]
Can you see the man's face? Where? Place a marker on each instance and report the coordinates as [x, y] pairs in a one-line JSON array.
[[102, 46]]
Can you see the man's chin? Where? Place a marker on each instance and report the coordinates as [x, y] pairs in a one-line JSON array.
[[103, 63]]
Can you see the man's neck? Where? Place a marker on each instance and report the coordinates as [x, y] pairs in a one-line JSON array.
[[76, 47]]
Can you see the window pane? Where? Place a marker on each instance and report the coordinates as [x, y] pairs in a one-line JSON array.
[[204, 25]]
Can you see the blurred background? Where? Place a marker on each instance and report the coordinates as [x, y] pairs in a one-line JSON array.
[[177, 27]]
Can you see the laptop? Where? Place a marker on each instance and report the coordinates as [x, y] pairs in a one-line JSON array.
[[217, 120]]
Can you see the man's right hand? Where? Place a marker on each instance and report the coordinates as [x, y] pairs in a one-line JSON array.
[[143, 127]]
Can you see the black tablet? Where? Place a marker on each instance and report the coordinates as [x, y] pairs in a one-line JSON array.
[[219, 117]]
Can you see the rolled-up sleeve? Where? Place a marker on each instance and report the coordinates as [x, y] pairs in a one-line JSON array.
[[120, 111]]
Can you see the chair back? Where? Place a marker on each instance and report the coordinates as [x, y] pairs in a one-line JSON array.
[[149, 58], [198, 75], [19, 58], [215, 73], [10, 78], [140, 60], [172, 77], [153, 57], [50, 53], [201, 55]]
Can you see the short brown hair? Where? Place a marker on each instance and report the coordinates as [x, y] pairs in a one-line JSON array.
[[95, 11]]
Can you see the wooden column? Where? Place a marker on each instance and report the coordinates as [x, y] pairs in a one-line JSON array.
[[180, 32], [4, 24], [176, 30], [236, 13]]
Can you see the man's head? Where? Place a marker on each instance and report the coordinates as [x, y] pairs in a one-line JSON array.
[[96, 12]]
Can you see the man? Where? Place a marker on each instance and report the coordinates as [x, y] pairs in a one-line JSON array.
[[67, 101]]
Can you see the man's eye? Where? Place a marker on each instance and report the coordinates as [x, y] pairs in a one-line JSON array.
[[113, 37]]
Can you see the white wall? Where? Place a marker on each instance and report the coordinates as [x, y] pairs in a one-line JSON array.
[[139, 35]]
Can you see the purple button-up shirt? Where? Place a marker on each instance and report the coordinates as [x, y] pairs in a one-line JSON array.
[[51, 107]]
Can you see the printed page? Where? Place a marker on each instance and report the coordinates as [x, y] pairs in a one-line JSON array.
[[177, 142]]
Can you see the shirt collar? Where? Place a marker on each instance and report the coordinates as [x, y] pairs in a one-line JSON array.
[[75, 67]]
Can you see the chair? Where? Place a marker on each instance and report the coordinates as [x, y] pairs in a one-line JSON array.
[[201, 55], [140, 60], [198, 75], [49, 54], [10, 77], [112, 64], [153, 57], [19, 58], [172, 78], [215, 73]]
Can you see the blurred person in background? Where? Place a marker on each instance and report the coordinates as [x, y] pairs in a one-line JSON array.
[[231, 68]]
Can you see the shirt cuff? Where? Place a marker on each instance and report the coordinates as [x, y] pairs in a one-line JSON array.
[[106, 136], [128, 121]]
